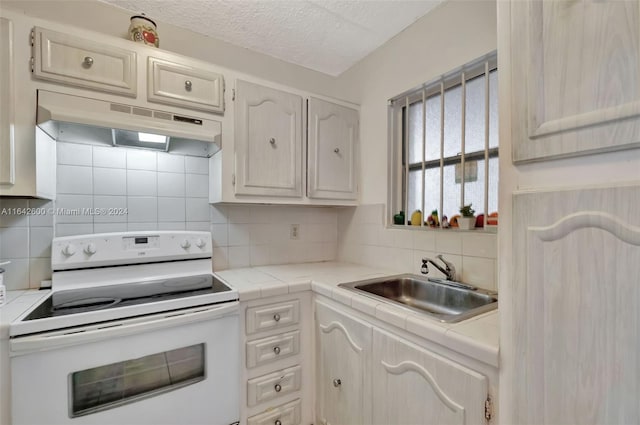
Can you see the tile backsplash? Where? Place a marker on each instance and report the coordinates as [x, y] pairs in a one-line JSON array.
[[132, 189], [25, 241], [143, 190], [364, 239], [258, 235]]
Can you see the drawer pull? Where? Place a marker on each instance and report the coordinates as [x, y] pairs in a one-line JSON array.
[[87, 62], [272, 141], [336, 150], [278, 388], [337, 382], [276, 316], [188, 85], [276, 350], [277, 422]]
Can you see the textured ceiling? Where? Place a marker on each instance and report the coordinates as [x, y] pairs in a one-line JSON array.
[[325, 35]]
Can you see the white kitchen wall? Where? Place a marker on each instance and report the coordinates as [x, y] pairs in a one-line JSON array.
[[452, 34], [256, 235], [364, 239]]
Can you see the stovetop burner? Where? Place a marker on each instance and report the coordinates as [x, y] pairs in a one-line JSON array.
[[73, 301]]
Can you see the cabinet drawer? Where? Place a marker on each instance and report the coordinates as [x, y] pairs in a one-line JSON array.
[[266, 350], [182, 85], [268, 387], [84, 63], [287, 414], [272, 316]]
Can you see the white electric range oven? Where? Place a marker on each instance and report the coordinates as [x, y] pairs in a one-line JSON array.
[[136, 330]]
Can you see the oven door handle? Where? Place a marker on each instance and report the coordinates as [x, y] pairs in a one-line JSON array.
[[113, 329]]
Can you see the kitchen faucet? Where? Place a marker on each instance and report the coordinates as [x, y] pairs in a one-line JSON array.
[[449, 269]]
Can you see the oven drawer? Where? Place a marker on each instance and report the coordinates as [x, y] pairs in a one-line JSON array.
[[268, 387], [272, 316], [273, 348], [287, 414]]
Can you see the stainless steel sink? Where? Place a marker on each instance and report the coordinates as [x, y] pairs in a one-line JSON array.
[[445, 300]]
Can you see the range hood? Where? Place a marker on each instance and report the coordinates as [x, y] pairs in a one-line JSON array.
[[79, 119]]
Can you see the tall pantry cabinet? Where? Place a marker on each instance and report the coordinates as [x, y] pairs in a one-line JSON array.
[[570, 263]]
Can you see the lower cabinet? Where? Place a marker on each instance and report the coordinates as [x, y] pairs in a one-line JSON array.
[[277, 377], [412, 385], [366, 375], [343, 368]]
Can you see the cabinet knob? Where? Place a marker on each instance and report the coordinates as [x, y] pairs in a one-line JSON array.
[[87, 62], [276, 350], [337, 382], [337, 150], [276, 317], [277, 387], [272, 141], [188, 85], [277, 422]]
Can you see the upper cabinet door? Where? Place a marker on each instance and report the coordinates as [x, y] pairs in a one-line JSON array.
[[84, 63], [7, 106], [575, 77], [268, 133], [183, 85], [332, 151]]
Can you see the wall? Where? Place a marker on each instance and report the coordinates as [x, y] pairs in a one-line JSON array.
[[451, 35], [364, 239]]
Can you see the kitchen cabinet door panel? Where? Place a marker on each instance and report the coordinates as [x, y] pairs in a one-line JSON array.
[[332, 144], [268, 141], [7, 105], [344, 360], [575, 78], [575, 281], [182, 84], [414, 386], [76, 61]]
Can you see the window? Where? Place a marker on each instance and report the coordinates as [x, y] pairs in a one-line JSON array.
[[436, 131]]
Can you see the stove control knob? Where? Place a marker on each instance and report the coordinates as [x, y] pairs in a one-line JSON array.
[[69, 250], [90, 249], [201, 243], [185, 244]]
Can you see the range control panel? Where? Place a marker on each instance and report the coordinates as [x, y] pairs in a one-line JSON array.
[[109, 249]]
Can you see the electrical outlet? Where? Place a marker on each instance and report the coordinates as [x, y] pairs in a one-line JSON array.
[[294, 231]]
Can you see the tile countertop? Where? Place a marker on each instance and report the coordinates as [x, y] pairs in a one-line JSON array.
[[476, 337], [18, 302]]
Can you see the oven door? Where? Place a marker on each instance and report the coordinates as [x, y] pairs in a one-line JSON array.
[[172, 368]]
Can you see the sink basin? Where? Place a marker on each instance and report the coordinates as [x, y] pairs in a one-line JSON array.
[[445, 300]]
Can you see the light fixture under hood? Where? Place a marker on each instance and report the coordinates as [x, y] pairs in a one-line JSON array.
[[138, 139], [86, 120]]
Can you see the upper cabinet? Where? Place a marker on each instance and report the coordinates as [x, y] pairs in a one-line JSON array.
[[332, 150], [272, 161], [85, 63], [574, 79], [268, 137], [182, 84]]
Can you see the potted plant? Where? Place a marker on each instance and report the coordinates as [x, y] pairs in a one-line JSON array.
[[467, 221]]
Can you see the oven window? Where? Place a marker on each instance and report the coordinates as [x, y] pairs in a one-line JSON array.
[[115, 384]]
